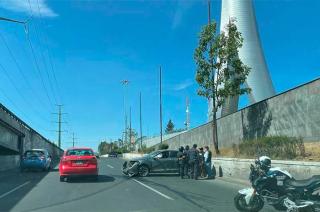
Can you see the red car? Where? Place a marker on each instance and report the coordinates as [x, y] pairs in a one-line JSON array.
[[78, 162]]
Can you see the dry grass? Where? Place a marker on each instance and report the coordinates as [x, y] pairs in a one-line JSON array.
[[312, 150]]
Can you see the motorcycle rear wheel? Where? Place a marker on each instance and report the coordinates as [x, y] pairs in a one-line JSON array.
[[255, 206]]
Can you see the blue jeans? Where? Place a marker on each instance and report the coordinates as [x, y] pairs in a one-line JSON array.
[[208, 169]]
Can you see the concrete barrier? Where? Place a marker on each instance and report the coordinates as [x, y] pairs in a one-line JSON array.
[[129, 156], [240, 168]]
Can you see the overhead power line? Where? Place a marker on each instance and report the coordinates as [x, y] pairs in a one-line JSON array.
[[19, 93], [46, 66], [35, 58], [49, 53], [20, 69], [38, 68]]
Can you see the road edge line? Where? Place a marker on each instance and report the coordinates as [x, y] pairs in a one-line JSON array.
[[13, 190], [154, 190]]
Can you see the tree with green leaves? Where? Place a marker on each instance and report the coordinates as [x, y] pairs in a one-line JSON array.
[[220, 73], [170, 127]]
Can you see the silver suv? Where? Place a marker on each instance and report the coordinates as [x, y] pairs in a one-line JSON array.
[[161, 161]]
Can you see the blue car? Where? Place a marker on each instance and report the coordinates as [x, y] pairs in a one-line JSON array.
[[39, 159]]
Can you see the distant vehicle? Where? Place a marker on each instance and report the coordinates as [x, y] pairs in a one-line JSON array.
[[36, 159], [97, 155], [113, 155], [78, 162], [161, 161]]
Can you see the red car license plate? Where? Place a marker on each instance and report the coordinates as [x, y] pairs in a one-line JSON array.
[[79, 163]]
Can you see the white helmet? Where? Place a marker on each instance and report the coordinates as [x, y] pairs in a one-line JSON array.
[[265, 162]]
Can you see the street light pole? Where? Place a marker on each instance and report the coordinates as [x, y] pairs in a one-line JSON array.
[[130, 132], [125, 84], [140, 124], [160, 105]]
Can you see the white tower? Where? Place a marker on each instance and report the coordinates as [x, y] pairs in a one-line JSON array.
[[251, 53]]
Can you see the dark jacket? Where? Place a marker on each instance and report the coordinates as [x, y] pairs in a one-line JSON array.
[[186, 155], [180, 158], [193, 155]]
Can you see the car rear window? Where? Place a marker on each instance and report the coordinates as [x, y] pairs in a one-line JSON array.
[[79, 152], [32, 153]]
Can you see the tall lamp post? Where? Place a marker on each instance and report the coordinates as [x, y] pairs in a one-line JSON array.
[[160, 76], [125, 84]]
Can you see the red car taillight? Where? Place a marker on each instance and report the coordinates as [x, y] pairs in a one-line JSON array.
[[93, 161], [65, 161]]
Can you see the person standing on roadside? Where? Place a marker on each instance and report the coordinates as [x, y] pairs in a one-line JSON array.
[[180, 157], [194, 161], [186, 161], [202, 170], [207, 162]]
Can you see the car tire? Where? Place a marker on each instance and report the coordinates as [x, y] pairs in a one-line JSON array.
[[61, 179], [21, 170], [96, 177], [143, 171]]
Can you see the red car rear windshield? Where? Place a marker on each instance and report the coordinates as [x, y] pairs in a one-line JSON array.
[[79, 152]]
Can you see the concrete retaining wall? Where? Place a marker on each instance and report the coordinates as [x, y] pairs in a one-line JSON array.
[[16, 137], [9, 162], [294, 113], [240, 168]]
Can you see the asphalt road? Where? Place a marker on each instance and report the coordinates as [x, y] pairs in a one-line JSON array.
[[38, 191]]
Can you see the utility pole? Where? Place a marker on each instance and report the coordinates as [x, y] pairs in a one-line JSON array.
[[140, 123], [73, 138], [209, 12], [160, 105], [59, 123], [130, 132]]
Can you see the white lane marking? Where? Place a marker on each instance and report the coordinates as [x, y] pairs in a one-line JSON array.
[[154, 190], [13, 190], [110, 166]]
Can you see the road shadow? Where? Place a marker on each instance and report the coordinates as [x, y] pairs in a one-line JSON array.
[[163, 175], [86, 179], [193, 199], [23, 182], [54, 170]]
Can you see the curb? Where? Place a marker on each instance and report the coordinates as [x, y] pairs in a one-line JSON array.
[[234, 181]]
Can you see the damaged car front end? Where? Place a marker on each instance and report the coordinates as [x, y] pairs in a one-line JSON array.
[[130, 168]]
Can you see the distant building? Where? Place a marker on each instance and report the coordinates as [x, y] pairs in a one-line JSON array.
[[251, 54]]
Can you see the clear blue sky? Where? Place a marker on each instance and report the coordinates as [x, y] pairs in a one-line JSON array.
[[96, 44]]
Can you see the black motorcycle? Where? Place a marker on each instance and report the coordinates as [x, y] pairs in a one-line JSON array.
[[279, 189]]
